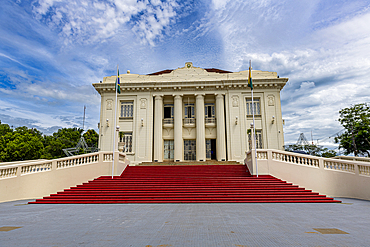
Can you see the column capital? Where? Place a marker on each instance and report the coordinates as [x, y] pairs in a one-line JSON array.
[[158, 96], [177, 96], [199, 95], [219, 94]]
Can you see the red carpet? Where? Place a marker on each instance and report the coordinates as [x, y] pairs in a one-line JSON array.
[[186, 184]]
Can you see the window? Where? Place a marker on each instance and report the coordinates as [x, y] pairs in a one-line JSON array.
[[189, 110], [127, 109], [209, 110], [168, 111], [258, 140], [126, 139], [257, 106]]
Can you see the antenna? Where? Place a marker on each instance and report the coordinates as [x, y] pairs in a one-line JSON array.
[[83, 123], [311, 137], [302, 140]]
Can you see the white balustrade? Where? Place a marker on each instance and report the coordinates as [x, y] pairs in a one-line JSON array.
[[167, 121], [8, 172], [295, 158], [210, 120], [339, 166], [108, 157], [364, 170], [27, 169], [261, 155], [189, 121], [76, 161]]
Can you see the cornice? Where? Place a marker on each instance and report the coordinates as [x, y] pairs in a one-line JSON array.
[[275, 83]]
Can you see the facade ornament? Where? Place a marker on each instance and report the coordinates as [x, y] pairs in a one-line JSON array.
[[109, 104], [271, 100], [235, 99], [143, 103]]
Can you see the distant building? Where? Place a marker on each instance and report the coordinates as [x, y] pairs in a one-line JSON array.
[[191, 113]]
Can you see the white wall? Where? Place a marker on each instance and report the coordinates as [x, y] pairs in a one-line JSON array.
[[38, 179]]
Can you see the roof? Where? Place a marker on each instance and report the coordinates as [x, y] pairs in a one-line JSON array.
[[167, 71]]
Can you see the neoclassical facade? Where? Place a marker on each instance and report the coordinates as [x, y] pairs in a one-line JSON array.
[[190, 113]]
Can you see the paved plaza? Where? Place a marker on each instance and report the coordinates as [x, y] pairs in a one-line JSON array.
[[239, 224]]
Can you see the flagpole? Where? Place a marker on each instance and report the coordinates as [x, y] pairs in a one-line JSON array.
[[115, 122], [254, 126]]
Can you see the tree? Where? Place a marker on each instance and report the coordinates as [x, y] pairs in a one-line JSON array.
[[91, 138], [20, 144], [63, 138], [356, 137]]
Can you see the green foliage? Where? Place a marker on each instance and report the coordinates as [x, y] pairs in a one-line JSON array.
[[311, 149], [28, 144], [91, 138], [356, 121], [63, 138], [20, 144]]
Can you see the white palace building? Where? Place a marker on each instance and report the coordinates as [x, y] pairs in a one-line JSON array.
[[190, 113]]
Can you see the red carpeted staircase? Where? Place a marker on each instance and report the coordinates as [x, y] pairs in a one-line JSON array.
[[186, 184]]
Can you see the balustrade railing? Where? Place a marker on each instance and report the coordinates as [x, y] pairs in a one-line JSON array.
[[364, 170], [108, 157], [71, 161], [210, 120], [189, 121], [27, 169], [8, 172], [296, 159], [168, 121], [339, 166], [261, 155]]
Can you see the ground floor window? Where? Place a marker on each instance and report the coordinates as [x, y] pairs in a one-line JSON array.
[[125, 138], [258, 140], [168, 149], [189, 150]]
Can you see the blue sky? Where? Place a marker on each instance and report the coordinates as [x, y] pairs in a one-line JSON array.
[[51, 51]]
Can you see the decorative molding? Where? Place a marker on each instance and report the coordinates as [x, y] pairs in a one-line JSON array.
[[271, 100], [235, 100], [143, 103], [109, 104]]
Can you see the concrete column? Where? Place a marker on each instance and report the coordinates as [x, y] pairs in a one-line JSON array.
[[220, 121], [177, 128], [158, 139], [201, 135]]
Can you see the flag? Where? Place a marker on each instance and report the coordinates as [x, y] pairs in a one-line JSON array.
[[250, 84], [118, 84]]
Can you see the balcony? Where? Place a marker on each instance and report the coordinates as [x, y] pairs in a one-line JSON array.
[[168, 122], [189, 122], [210, 122]]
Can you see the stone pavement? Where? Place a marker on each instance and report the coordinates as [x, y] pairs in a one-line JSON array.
[[165, 225]]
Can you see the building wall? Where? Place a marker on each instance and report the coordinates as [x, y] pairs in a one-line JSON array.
[[187, 83]]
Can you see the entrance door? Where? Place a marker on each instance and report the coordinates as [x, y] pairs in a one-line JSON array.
[[211, 149], [168, 149], [189, 150]]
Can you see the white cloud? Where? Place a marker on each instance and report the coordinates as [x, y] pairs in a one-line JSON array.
[[87, 22]]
